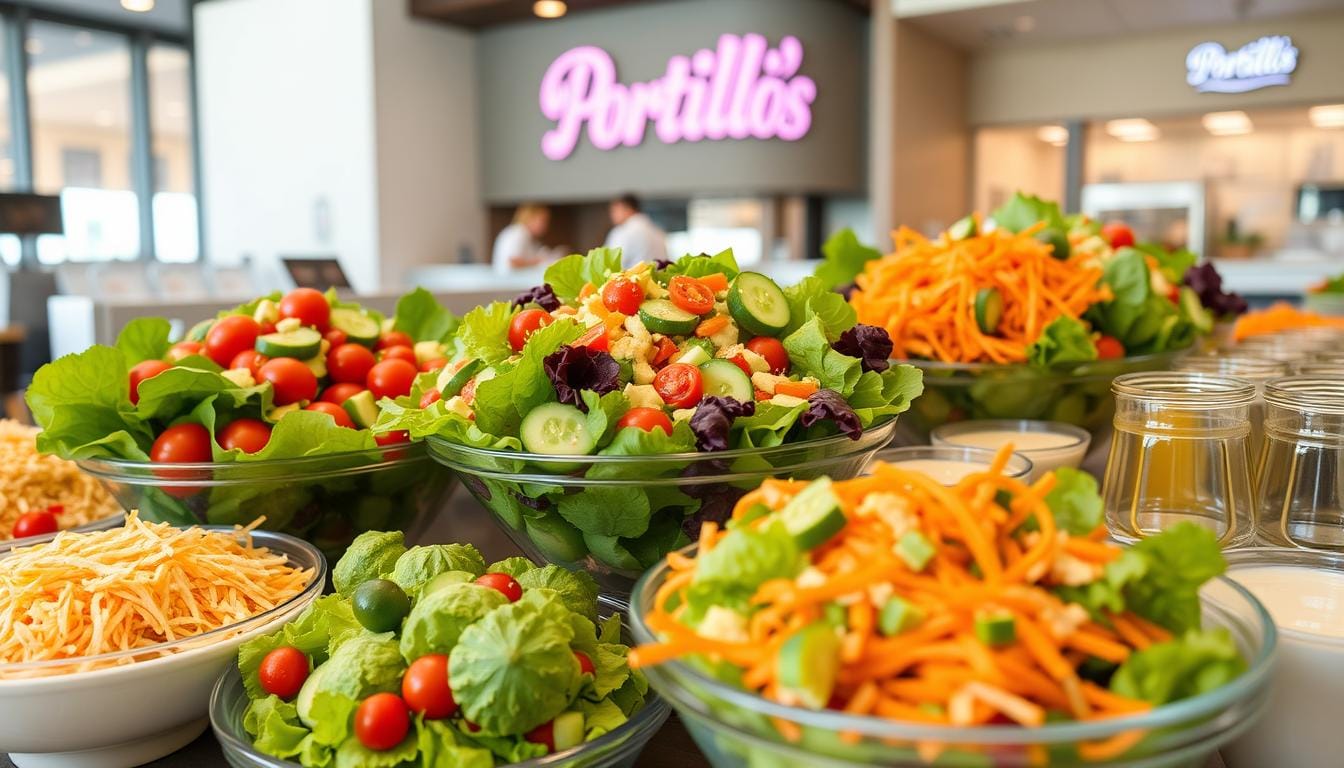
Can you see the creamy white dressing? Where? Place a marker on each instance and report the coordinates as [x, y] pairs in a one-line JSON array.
[[1023, 441], [1048, 450], [1302, 599], [945, 471]]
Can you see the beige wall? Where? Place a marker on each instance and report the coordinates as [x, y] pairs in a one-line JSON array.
[[1008, 160], [1145, 75]]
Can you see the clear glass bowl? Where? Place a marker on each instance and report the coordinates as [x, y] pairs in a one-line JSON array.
[[1077, 394], [590, 512], [326, 500], [734, 727], [618, 749]]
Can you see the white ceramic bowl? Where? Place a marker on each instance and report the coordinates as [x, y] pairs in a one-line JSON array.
[[54, 716], [1049, 444]]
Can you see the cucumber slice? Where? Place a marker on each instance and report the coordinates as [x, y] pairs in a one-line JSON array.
[[696, 341], [988, 309], [722, 378], [359, 327], [996, 629], [567, 730], [362, 408], [303, 703], [1057, 239], [814, 515], [758, 305], [318, 365], [450, 383], [198, 331], [809, 662], [662, 316], [753, 513], [898, 615], [694, 355], [300, 343], [1194, 309], [962, 228], [556, 429], [914, 548]]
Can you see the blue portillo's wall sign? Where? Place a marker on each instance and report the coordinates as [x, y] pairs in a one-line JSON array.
[[1211, 68]]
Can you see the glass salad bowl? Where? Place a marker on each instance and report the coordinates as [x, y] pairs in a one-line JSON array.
[[617, 749], [615, 516], [734, 727], [326, 500], [1078, 394]]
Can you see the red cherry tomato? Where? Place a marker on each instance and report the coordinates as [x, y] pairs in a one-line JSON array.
[[308, 305], [394, 339], [142, 371], [391, 378], [595, 338], [399, 352], [543, 734], [229, 336], [381, 721], [647, 419], [586, 666], [526, 323], [430, 397], [267, 327], [1117, 233], [773, 352], [251, 435], [183, 349], [349, 363], [741, 362], [339, 393], [468, 393], [336, 412], [679, 385], [283, 671], [425, 687], [293, 381], [691, 294], [1109, 348], [393, 438], [666, 349], [250, 359], [182, 443], [436, 364], [502, 583], [34, 523], [336, 337], [621, 295]]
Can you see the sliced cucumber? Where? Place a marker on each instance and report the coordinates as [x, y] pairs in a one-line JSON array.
[[988, 309], [198, 331], [898, 615], [1194, 309], [359, 327], [814, 515], [915, 549], [303, 703], [362, 408], [567, 730], [962, 228], [556, 429], [450, 383], [809, 662], [318, 365], [300, 343], [1057, 239], [696, 341], [694, 355], [662, 316], [758, 305], [996, 629], [722, 378]]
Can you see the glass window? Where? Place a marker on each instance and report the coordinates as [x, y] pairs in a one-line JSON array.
[[10, 249], [79, 92], [175, 237]]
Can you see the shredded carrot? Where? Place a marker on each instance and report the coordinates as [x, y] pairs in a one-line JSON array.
[[802, 389], [1281, 317], [711, 326]]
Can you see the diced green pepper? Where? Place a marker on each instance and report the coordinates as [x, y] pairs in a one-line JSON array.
[[914, 548], [898, 615], [996, 629], [753, 513], [836, 615]]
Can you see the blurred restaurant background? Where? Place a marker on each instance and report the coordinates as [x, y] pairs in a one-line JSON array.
[[168, 157]]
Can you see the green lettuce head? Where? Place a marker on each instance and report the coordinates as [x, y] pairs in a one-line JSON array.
[[417, 565], [576, 589], [440, 617], [370, 555], [359, 667]]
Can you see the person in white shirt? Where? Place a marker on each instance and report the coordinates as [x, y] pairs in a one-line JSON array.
[[518, 246], [634, 232]]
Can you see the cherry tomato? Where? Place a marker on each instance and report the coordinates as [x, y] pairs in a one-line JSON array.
[[293, 381], [647, 419], [229, 336], [430, 397], [586, 666], [283, 671], [679, 385], [691, 294], [399, 352], [336, 337], [336, 412], [381, 721], [666, 349], [182, 443], [502, 583], [183, 349], [773, 352], [425, 687], [436, 364], [308, 305], [1117, 233], [595, 338], [391, 378], [349, 363], [34, 523], [1109, 348], [339, 393], [267, 327], [468, 393], [145, 370], [621, 295], [741, 362], [526, 323], [393, 438], [543, 734], [394, 339], [251, 435], [250, 359]]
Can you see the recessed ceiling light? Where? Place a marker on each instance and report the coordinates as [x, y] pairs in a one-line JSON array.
[[138, 6], [1327, 116], [1024, 24], [1056, 135], [550, 9], [1232, 123], [1132, 129], [34, 47]]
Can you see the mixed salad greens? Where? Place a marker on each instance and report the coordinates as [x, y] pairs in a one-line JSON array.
[[428, 657]]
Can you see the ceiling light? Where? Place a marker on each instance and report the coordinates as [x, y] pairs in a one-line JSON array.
[[138, 6], [1024, 24], [1132, 129], [1327, 116], [1232, 123], [1055, 135], [549, 9], [34, 47]]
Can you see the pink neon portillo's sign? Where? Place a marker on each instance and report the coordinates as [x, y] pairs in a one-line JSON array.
[[742, 89]]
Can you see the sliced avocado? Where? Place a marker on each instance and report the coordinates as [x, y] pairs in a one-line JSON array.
[[451, 382], [363, 409], [277, 413]]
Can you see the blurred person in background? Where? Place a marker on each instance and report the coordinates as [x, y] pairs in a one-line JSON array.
[[634, 232], [519, 246]]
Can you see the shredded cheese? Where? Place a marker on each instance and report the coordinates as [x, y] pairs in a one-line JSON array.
[[30, 482]]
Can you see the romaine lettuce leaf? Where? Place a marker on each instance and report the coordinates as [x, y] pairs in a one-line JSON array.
[[576, 589], [700, 265], [568, 275], [810, 297], [420, 316], [1064, 340], [313, 632], [1074, 502], [370, 555], [1022, 211], [843, 259], [1188, 665], [748, 557], [484, 332], [810, 354], [502, 401], [144, 338]]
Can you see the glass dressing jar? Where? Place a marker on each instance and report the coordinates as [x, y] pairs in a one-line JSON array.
[[1301, 497], [1256, 370]]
